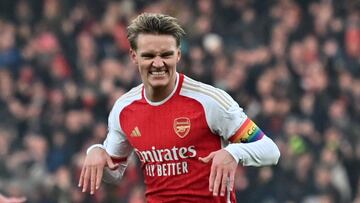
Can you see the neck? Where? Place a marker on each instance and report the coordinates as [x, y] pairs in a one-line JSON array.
[[157, 94], [160, 93]]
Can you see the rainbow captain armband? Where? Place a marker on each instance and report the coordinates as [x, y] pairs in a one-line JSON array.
[[248, 132]]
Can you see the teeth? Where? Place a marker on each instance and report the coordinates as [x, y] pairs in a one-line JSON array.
[[158, 72]]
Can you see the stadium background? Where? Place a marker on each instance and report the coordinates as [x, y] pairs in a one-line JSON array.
[[294, 66]]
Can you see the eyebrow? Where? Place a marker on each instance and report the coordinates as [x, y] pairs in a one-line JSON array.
[[146, 54], [167, 53], [150, 54]]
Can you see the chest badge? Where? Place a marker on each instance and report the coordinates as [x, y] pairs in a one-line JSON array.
[[182, 126]]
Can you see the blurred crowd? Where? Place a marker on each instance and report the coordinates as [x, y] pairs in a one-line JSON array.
[[294, 66]]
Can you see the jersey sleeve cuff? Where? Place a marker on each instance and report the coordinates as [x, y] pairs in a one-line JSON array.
[[94, 146], [233, 149]]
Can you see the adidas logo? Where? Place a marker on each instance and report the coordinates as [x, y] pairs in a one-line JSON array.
[[135, 132]]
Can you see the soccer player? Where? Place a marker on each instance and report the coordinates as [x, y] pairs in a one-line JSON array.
[[189, 136]]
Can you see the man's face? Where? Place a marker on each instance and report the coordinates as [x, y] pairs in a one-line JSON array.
[[156, 57]]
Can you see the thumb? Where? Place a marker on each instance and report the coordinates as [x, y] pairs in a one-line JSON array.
[[110, 163], [207, 158]]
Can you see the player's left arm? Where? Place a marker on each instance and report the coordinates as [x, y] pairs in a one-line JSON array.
[[248, 145]]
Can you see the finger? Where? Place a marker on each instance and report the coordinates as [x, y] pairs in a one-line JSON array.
[[93, 180], [81, 179], [99, 175], [224, 182], [212, 178], [217, 182], [111, 164], [86, 179], [207, 158], [232, 180]]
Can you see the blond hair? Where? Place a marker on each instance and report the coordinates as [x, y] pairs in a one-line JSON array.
[[154, 23]]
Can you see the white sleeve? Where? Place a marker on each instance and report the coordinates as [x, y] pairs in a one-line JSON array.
[[223, 115], [259, 153], [116, 145], [226, 122]]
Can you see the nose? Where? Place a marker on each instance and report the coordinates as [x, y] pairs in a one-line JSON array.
[[158, 62]]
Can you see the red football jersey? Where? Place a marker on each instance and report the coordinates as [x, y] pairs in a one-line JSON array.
[[169, 136]]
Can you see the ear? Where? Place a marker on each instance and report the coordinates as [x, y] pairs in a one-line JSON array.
[[179, 54], [133, 56]]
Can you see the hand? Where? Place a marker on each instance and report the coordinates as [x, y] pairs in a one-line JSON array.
[[93, 167], [223, 167], [4, 199]]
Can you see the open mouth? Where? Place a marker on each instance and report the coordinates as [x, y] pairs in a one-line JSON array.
[[158, 72]]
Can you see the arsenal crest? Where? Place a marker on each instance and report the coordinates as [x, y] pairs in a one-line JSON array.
[[182, 126]]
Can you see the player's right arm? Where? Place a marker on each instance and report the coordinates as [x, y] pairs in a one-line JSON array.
[[106, 161]]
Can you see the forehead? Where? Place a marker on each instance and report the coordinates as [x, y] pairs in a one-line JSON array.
[[154, 42]]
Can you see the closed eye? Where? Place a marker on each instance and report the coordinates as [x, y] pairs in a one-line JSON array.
[[147, 55], [167, 54]]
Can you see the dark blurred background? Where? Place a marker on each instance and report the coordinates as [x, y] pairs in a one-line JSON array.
[[294, 66]]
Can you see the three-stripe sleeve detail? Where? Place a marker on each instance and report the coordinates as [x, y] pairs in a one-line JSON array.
[[224, 100]]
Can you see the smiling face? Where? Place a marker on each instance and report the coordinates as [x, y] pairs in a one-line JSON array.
[[156, 57]]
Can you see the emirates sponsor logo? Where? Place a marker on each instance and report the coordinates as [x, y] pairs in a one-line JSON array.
[[182, 126], [166, 162], [161, 155]]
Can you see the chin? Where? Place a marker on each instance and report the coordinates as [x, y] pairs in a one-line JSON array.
[[159, 81], [158, 84]]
